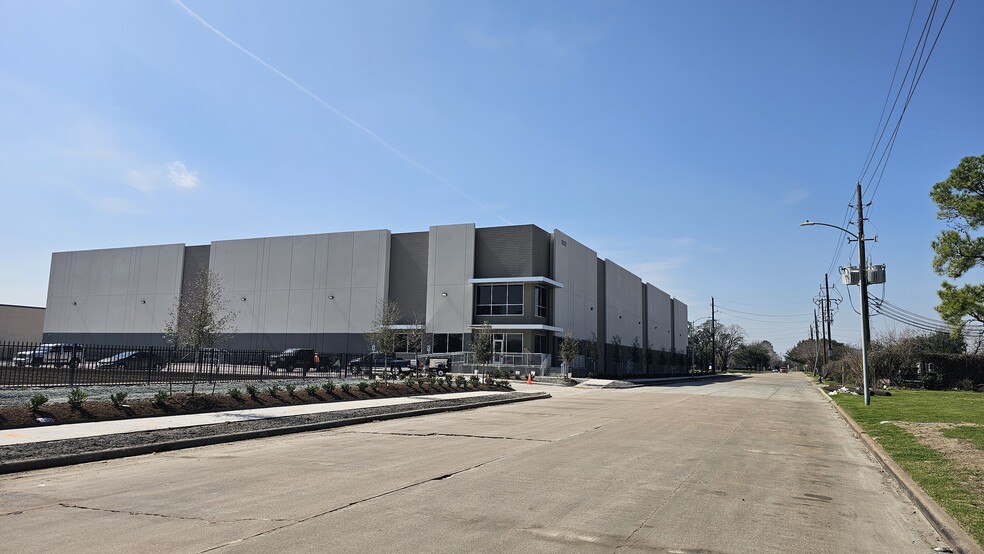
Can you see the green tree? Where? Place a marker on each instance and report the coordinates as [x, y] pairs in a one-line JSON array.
[[481, 343], [753, 356], [570, 348], [200, 318], [960, 248], [635, 351]]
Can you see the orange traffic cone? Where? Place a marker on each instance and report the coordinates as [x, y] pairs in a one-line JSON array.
[[529, 378]]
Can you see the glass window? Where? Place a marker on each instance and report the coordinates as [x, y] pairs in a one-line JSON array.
[[499, 294], [540, 301], [515, 294], [540, 344], [514, 342], [499, 300], [455, 343], [440, 342], [484, 295]]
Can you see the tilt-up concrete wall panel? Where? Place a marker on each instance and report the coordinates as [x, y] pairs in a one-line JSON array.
[[104, 295], [659, 319], [576, 267], [450, 264], [623, 304], [679, 326]]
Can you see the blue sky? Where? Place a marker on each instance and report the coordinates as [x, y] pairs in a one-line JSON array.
[[684, 140]]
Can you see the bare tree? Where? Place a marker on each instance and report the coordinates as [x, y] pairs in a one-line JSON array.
[[617, 353], [594, 350], [200, 319], [728, 339], [382, 335], [417, 336]]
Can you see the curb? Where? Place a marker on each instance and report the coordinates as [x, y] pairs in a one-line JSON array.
[[102, 455], [948, 528]]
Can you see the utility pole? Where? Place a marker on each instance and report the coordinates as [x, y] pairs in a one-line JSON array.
[[713, 341], [830, 316], [865, 330], [816, 350], [823, 329], [816, 343]]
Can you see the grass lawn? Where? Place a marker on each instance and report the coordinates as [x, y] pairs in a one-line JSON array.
[[959, 489]]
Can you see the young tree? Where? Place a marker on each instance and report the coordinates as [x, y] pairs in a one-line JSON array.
[[200, 319], [634, 353], [617, 353], [594, 350], [961, 247], [570, 347], [417, 335], [481, 343], [382, 334]]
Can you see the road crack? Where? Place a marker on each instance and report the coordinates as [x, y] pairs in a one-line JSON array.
[[292, 523], [165, 516], [447, 435]]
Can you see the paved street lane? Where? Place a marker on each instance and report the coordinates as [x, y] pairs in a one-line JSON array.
[[761, 464]]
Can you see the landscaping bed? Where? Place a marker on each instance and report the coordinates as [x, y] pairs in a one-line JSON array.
[[235, 398]]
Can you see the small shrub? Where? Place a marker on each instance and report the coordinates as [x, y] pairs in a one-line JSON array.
[[251, 390], [77, 397], [328, 386], [504, 384], [312, 390], [290, 389], [420, 382], [273, 390], [459, 380], [118, 398], [432, 381], [236, 393], [346, 387], [362, 385], [375, 385], [160, 397], [473, 380], [37, 400]]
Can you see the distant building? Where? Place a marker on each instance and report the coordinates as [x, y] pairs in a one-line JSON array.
[[21, 323], [321, 291]]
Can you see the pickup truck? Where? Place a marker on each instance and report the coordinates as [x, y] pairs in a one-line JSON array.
[[372, 362]]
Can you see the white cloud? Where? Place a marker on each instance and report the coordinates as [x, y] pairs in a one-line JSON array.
[[180, 176]]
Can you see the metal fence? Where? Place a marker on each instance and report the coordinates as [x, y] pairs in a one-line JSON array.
[[34, 364]]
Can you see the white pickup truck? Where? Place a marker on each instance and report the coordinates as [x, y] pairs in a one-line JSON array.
[[57, 355]]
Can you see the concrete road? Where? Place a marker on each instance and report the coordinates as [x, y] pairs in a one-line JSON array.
[[761, 464]]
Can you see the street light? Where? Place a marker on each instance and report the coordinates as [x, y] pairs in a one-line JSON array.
[[865, 331]]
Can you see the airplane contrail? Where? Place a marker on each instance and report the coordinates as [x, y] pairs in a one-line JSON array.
[[339, 113]]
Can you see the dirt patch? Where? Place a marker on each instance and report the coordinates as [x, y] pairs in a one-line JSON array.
[[12, 417], [965, 456]]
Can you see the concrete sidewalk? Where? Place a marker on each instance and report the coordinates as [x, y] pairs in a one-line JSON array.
[[99, 428]]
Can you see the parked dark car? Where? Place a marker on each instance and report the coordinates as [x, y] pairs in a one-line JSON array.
[[291, 359], [134, 359], [370, 361]]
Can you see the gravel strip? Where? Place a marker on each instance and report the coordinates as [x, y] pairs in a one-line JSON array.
[[69, 447]]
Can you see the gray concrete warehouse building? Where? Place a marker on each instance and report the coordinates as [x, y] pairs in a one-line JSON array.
[[322, 291]]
